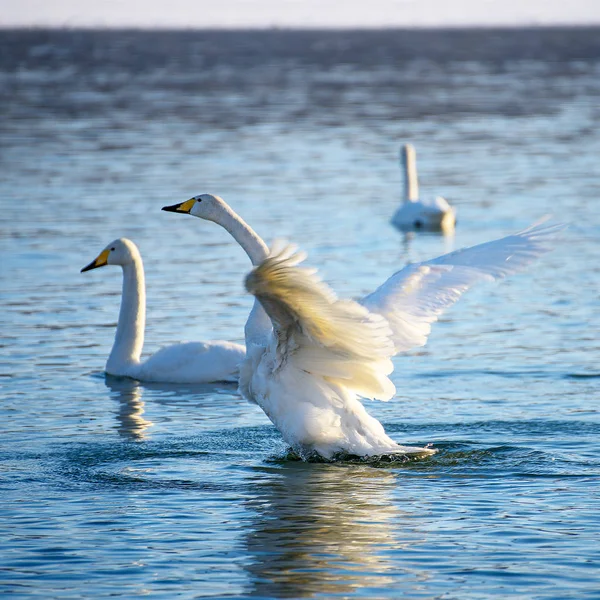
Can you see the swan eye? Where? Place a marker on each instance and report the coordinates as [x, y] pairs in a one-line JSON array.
[[112, 249]]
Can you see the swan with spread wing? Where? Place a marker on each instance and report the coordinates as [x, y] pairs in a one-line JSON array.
[[310, 356]]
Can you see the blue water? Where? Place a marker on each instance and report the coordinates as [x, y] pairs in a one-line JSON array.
[[113, 488]]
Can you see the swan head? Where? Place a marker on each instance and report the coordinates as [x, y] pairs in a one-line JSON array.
[[119, 252], [204, 206]]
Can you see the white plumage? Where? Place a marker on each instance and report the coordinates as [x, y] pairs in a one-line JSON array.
[[308, 371], [415, 296], [189, 362], [417, 213], [323, 354]]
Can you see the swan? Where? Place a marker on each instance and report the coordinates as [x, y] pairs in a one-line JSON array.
[[310, 357], [417, 214], [190, 362]]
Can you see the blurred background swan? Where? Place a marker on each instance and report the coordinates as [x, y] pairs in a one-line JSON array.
[[415, 213], [189, 362]]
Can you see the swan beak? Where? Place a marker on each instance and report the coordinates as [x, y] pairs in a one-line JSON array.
[[182, 207], [99, 261]]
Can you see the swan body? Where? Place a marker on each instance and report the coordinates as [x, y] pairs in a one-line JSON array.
[[420, 214], [316, 356], [189, 362], [323, 354]]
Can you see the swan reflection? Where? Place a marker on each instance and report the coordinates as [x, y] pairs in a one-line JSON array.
[[322, 529], [128, 392], [408, 240]]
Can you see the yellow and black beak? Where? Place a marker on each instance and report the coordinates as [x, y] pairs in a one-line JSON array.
[[100, 261], [182, 207]]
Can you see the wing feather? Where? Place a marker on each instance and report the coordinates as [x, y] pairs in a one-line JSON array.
[[336, 339], [415, 296]]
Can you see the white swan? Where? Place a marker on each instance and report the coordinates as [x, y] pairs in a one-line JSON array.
[[190, 362], [414, 213], [321, 354]]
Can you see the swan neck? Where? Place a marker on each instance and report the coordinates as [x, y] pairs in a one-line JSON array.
[[245, 236], [129, 337], [258, 325], [411, 182]]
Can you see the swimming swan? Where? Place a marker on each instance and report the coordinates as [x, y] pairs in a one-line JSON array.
[[190, 362], [315, 356], [417, 214]]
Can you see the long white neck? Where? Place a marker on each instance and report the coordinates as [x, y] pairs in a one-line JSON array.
[[129, 337], [258, 324], [411, 184], [244, 235]]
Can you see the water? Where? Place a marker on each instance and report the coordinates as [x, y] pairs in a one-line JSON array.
[[114, 488]]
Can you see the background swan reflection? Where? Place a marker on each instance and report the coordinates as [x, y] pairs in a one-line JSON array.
[[131, 423]]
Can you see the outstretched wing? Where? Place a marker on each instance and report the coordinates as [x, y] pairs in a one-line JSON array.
[[334, 339], [414, 297]]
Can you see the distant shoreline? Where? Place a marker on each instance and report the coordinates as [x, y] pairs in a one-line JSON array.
[[306, 29]]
